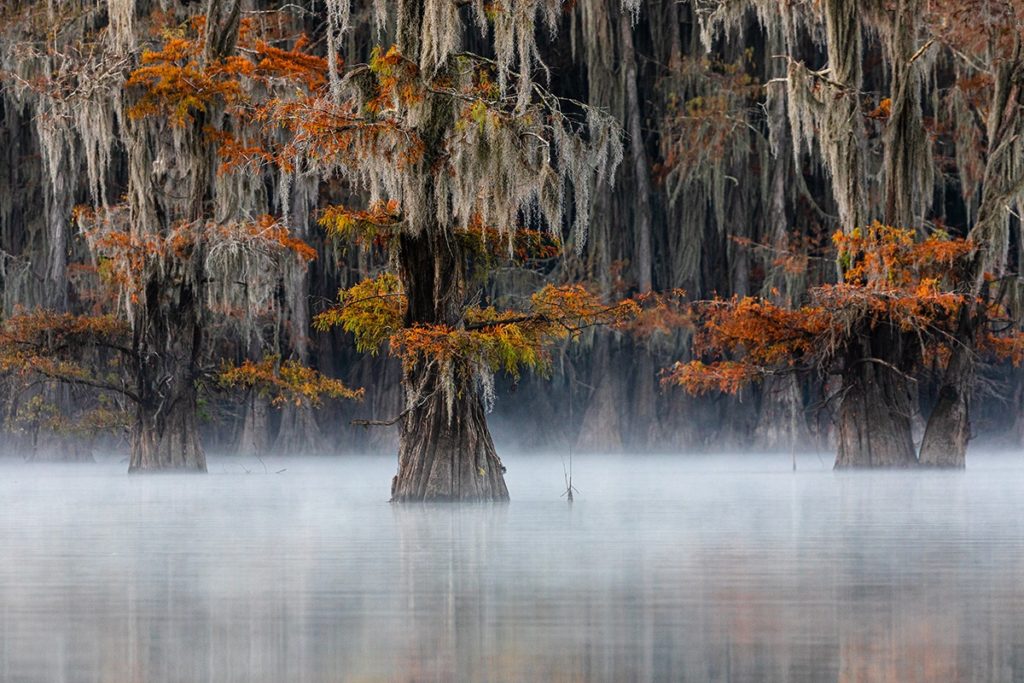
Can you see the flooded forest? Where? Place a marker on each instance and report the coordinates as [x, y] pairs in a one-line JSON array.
[[209, 214], [331, 254]]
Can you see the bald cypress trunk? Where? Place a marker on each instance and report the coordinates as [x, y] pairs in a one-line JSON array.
[[168, 340], [254, 435], [601, 429], [641, 167], [445, 448], [874, 427], [446, 452], [782, 420], [949, 425], [168, 331], [165, 436]]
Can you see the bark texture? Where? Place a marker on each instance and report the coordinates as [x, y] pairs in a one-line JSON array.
[[782, 423], [168, 342], [446, 452], [638, 151], [166, 438], [875, 414], [949, 425], [299, 433], [601, 428], [445, 448]]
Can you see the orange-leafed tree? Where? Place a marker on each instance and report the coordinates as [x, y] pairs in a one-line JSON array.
[[195, 240], [100, 351], [452, 150], [893, 317], [186, 232], [882, 136], [987, 128]]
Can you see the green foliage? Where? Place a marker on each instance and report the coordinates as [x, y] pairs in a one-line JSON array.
[[372, 311]]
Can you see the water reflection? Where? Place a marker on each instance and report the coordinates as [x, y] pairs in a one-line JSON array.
[[665, 570]]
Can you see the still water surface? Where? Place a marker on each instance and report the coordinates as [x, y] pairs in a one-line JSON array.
[[664, 569]]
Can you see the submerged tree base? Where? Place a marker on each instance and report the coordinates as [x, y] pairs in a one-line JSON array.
[[872, 434], [170, 442], [446, 452]]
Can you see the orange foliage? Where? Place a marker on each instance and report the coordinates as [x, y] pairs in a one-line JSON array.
[[511, 340], [329, 133], [883, 257], [266, 231], [659, 313], [725, 376], [41, 326], [179, 81], [491, 245], [176, 81], [397, 83], [890, 278], [379, 226], [883, 111], [286, 382], [975, 26], [44, 343], [1006, 348]]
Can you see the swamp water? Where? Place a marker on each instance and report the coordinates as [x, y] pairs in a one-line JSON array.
[[721, 568]]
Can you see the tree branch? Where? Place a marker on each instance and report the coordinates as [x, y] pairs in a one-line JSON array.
[[88, 382]]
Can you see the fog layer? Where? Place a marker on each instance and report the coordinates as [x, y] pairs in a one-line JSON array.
[[725, 568]]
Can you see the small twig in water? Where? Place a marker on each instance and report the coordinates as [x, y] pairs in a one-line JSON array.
[[567, 474]]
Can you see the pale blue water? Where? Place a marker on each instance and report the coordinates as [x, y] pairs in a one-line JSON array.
[[665, 569]]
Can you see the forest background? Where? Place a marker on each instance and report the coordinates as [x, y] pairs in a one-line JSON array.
[[735, 176]]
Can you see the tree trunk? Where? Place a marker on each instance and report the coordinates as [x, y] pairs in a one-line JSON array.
[[165, 436], [48, 446], [299, 433], [172, 182], [254, 437], [168, 339], [875, 414], [782, 419], [445, 448], [601, 428], [949, 426], [641, 168], [1016, 437], [446, 452], [646, 429]]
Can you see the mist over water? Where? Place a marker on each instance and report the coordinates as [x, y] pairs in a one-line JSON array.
[[728, 568]]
